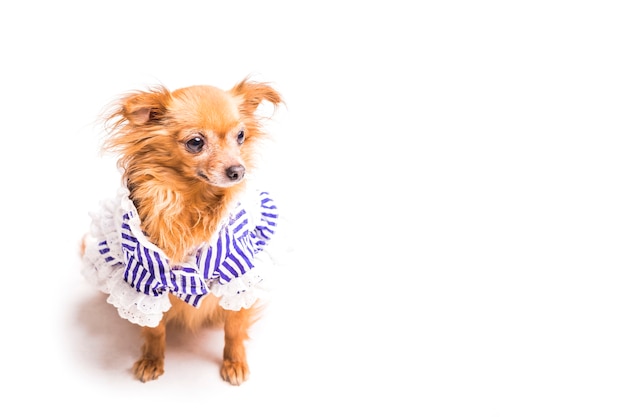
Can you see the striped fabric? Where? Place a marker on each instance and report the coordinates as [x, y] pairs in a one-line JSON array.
[[228, 257]]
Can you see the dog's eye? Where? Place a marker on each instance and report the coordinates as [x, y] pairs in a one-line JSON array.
[[241, 137], [195, 144]]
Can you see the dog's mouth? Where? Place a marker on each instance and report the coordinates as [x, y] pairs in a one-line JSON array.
[[203, 176], [228, 180]]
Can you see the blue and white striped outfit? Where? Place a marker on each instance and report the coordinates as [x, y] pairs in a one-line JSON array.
[[137, 275]]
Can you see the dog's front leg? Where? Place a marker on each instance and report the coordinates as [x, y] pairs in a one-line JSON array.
[[235, 366], [151, 364]]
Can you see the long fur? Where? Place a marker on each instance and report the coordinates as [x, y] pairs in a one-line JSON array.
[[182, 196]]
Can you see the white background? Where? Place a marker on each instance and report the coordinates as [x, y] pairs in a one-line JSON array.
[[453, 173]]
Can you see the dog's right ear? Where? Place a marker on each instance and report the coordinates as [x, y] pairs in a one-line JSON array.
[[250, 94], [144, 107]]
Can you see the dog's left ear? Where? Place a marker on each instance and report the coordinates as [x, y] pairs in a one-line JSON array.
[[250, 94]]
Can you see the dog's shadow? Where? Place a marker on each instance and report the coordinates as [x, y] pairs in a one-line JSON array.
[[111, 343]]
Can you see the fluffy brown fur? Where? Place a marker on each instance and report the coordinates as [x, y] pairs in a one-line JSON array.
[[184, 156]]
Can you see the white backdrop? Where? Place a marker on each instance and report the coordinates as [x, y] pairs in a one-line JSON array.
[[452, 172]]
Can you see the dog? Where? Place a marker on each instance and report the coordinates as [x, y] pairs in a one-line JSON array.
[[184, 239]]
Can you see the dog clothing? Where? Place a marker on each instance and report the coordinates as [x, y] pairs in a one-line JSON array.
[[121, 261]]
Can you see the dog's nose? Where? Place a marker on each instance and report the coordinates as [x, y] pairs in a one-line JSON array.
[[236, 172]]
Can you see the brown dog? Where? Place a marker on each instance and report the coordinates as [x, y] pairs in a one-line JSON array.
[[178, 245]]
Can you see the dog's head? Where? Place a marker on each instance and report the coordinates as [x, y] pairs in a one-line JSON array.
[[199, 134]]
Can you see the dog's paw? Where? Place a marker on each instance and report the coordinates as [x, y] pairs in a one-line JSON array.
[[146, 369], [234, 372]]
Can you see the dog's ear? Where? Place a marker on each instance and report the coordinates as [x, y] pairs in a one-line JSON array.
[[145, 107], [250, 94]]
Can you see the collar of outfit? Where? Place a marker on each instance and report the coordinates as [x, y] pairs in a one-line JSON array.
[[121, 262]]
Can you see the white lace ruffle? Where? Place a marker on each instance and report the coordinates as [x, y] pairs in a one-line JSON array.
[[143, 309], [245, 290]]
